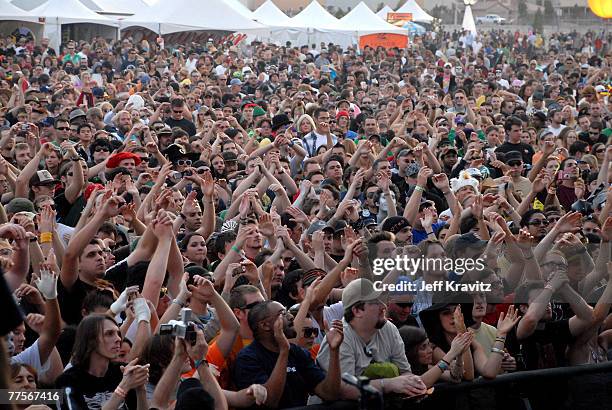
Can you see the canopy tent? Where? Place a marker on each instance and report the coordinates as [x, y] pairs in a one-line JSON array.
[[13, 19], [366, 21], [59, 12], [384, 11], [114, 8], [239, 7], [165, 17], [281, 26], [418, 14], [468, 21], [323, 27], [9, 11]]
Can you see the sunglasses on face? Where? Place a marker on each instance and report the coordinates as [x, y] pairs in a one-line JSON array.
[[250, 305], [102, 149], [539, 222], [181, 162], [404, 305], [63, 128], [310, 331]]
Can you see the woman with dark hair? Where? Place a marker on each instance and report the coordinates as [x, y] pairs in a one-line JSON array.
[[419, 352], [94, 380], [193, 248], [444, 321]]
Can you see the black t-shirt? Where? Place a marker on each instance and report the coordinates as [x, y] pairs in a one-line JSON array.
[[68, 213], [84, 391], [71, 301], [544, 349], [184, 124], [526, 150], [255, 363]]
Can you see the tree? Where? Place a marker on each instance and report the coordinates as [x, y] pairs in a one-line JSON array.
[[400, 3], [380, 7], [522, 9], [538, 22], [340, 13]]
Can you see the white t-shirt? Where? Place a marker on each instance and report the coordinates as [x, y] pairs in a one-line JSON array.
[[556, 131], [31, 357]]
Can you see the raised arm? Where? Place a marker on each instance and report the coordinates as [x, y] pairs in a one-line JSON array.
[[52, 325]]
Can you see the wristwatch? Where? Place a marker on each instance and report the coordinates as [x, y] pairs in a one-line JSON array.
[[74, 158]]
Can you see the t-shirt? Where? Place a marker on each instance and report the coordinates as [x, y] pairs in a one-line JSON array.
[[545, 348], [255, 363], [485, 335], [526, 150], [31, 357], [69, 214], [419, 235], [71, 301], [85, 391], [184, 124], [567, 196]]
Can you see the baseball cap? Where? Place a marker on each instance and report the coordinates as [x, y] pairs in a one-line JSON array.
[[359, 290], [337, 227], [394, 224], [19, 205], [235, 81], [315, 226], [43, 177]]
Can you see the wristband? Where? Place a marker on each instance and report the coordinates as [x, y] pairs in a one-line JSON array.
[[419, 188], [500, 339], [235, 249], [445, 361], [443, 366], [498, 351], [198, 363], [120, 392], [178, 302], [46, 237]]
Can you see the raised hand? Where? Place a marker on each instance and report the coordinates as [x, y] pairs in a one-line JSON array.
[[279, 334], [506, 322], [47, 284], [335, 335], [570, 222]]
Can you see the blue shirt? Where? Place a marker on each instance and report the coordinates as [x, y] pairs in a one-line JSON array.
[[254, 365], [419, 235]]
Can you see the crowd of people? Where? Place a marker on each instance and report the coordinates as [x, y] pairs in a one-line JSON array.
[[196, 226]]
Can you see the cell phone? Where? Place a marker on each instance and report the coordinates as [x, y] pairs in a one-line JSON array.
[[25, 127]]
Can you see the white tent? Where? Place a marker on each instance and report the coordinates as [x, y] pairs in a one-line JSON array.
[[9, 11], [114, 8], [418, 14], [59, 12], [323, 27], [238, 6], [468, 21], [366, 21], [384, 11], [282, 27], [166, 17]]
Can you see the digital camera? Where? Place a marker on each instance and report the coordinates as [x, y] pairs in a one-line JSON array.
[[185, 328]]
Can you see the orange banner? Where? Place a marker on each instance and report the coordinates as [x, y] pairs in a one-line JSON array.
[[383, 40], [399, 19]]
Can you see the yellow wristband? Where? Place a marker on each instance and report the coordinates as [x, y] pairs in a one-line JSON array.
[[46, 237]]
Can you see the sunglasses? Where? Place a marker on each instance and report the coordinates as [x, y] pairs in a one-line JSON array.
[[310, 332], [181, 162], [102, 149], [539, 222], [250, 305], [404, 305], [63, 128]]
